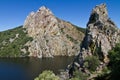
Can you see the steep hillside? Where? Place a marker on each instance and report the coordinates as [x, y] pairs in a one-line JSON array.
[[52, 36], [12, 43]]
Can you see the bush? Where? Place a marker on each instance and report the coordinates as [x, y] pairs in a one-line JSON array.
[[79, 76], [112, 71], [92, 62], [47, 75], [75, 79], [114, 64]]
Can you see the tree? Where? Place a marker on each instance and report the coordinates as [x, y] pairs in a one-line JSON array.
[[79, 76], [92, 62], [47, 75], [114, 64]]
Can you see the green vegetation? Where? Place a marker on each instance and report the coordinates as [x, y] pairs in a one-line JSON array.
[[71, 39], [47, 41], [12, 41], [47, 75], [83, 30], [91, 62], [104, 75], [93, 47], [80, 29], [79, 76], [112, 71], [114, 64], [62, 30]]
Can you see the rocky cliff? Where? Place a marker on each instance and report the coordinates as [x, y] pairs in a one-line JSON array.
[[101, 36], [51, 36]]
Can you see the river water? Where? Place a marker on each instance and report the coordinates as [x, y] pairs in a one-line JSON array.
[[29, 68]]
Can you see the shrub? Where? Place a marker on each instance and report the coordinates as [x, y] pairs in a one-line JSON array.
[[112, 71], [47, 75], [79, 76], [75, 79], [93, 62], [114, 64]]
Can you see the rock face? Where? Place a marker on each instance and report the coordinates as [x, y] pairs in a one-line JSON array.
[[101, 34], [51, 36], [100, 37]]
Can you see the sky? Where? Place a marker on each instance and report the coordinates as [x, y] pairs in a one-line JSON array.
[[14, 12]]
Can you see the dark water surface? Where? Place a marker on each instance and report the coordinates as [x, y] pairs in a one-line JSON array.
[[29, 68]]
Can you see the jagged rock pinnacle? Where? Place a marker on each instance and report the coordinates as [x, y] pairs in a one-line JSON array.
[[101, 34], [40, 17], [45, 10], [99, 13], [101, 10]]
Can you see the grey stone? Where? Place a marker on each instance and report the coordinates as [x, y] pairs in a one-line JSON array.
[[102, 33]]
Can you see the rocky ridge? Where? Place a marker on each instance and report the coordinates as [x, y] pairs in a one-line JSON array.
[[101, 36], [51, 36]]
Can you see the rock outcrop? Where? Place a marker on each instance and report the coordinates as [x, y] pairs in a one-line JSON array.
[[101, 34], [51, 36]]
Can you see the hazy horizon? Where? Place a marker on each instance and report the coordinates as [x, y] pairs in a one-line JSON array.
[[14, 12]]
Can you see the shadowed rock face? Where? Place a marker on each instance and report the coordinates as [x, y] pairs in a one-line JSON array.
[[51, 36], [101, 34]]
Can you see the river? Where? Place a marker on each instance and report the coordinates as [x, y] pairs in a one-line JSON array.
[[29, 68]]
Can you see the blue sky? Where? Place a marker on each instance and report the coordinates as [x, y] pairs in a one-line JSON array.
[[14, 12]]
